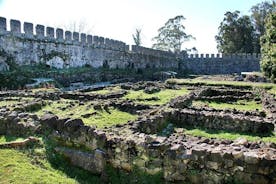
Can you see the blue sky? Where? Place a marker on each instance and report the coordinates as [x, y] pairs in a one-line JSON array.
[[118, 19]]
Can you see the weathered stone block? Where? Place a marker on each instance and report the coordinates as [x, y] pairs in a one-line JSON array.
[[56, 62], [68, 35], [93, 162], [101, 40], [59, 34], [28, 28], [40, 31], [15, 26], [50, 32], [76, 36], [96, 40], [3, 24], [83, 38], [89, 39]]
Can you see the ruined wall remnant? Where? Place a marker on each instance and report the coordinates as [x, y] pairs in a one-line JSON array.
[[221, 64], [37, 43]]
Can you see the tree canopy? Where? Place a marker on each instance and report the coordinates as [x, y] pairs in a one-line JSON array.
[[268, 48], [236, 34], [137, 37], [172, 35], [241, 33], [258, 15]]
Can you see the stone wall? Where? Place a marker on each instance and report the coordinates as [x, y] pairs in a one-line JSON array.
[[62, 49], [221, 64], [138, 144], [28, 44], [178, 157]]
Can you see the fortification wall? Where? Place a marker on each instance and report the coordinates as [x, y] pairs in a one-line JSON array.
[[63, 49], [221, 64], [28, 44]]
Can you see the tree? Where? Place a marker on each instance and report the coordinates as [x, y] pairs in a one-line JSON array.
[[236, 34], [137, 37], [172, 35], [80, 26], [258, 15], [268, 48]]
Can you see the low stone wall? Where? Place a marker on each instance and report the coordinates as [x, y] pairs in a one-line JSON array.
[[179, 157], [269, 103], [82, 96], [18, 123], [221, 121]]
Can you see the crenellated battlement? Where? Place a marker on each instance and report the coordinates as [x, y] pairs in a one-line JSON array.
[[149, 51], [28, 43], [42, 32], [224, 56]]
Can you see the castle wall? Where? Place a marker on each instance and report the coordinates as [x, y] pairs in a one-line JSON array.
[[217, 64], [28, 44]]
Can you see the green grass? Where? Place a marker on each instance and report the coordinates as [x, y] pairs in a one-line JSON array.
[[101, 118], [104, 119], [164, 96], [45, 90], [56, 107], [228, 135], [4, 139], [8, 103], [243, 105], [14, 101], [220, 83], [273, 91], [106, 90], [40, 164], [17, 167]]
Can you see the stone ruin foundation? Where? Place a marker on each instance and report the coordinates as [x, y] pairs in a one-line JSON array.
[[178, 156]]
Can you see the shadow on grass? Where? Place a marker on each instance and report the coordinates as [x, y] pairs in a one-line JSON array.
[[58, 162], [111, 174]]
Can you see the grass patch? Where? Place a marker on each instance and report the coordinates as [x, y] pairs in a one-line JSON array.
[[164, 96], [219, 134], [12, 101], [267, 86], [42, 165], [17, 167], [104, 119], [106, 90], [61, 108], [243, 105], [5, 138], [273, 91], [8, 103], [45, 90], [117, 176], [100, 118]]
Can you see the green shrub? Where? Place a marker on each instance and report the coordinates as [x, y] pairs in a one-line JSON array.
[[268, 48]]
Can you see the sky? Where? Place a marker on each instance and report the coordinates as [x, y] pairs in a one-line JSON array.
[[118, 19]]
